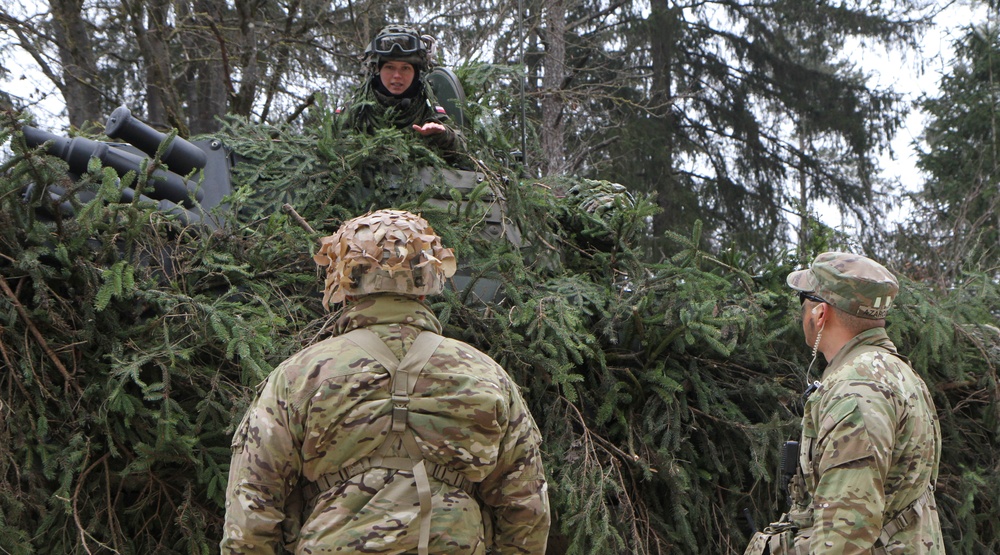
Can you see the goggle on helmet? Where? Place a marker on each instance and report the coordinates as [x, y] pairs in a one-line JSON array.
[[400, 43], [396, 43]]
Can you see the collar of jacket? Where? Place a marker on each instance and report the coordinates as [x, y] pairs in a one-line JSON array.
[[874, 336], [377, 309]]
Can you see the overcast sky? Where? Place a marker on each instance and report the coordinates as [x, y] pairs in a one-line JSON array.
[[914, 76], [904, 75]]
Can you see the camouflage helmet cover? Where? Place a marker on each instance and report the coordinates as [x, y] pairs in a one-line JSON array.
[[412, 47], [387, 251], [855, 284]]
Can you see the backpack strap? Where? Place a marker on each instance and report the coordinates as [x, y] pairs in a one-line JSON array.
[[403, 380], [374, 346]]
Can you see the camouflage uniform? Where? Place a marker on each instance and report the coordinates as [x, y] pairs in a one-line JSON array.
[[325, 409], [870, 448], [871, 441]]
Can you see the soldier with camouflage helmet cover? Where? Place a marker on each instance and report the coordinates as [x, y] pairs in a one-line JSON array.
[[871, 441], [387, 438]]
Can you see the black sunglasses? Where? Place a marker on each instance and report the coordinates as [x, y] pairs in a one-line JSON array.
[[803, 296]]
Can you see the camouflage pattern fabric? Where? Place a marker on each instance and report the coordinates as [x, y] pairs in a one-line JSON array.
[[386, 251], [327, 407], [870, 447], [855, 284]]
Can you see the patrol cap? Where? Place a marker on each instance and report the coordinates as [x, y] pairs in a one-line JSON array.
[[853, 283]]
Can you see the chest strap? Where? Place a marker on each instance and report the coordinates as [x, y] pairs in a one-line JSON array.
[[334, 480], [403, 380]]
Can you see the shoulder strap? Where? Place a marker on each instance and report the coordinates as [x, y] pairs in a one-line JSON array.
[[403, 381], [404, 372], [374, 346]]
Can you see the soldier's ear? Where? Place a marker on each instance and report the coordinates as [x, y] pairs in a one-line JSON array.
[[815, 308]]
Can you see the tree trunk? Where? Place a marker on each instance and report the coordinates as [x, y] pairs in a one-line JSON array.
[[242, 103], [532, 61], [554, 67], [279, 63], [80, 83], [664, 29], [153, 34], [205, 75]]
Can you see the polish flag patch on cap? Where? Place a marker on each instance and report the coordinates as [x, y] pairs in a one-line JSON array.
[[440, 110]]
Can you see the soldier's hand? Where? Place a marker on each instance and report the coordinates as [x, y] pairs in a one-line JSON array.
[[429, 128]]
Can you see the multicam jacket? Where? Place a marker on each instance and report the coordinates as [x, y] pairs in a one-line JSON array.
[[870, 448], [327, 408]]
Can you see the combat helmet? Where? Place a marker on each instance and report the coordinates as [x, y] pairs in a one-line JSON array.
[[401, 43], [387, 251]]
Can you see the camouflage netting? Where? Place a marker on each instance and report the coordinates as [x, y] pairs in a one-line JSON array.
[[387, 251], [664, 383]]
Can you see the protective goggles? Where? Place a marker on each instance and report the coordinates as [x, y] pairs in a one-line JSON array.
[[396, 43]]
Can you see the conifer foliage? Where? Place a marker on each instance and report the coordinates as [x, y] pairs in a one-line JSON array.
[[664, 383]]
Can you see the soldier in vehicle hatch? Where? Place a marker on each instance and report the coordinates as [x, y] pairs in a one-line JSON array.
[[871, 442], [395, 91], [387, 438]]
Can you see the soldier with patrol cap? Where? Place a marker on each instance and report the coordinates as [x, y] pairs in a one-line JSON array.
[[387, 438], [396, 93], [871, 442]]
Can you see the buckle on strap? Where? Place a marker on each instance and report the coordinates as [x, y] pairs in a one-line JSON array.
[[400, 408], [333, 480], [905, 517], [452, 477]]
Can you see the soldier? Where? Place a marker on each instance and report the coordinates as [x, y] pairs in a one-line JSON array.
[[387, 438], [871, 442], [395, 92]]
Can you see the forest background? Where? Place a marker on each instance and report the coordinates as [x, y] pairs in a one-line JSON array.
[[651, 330]]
